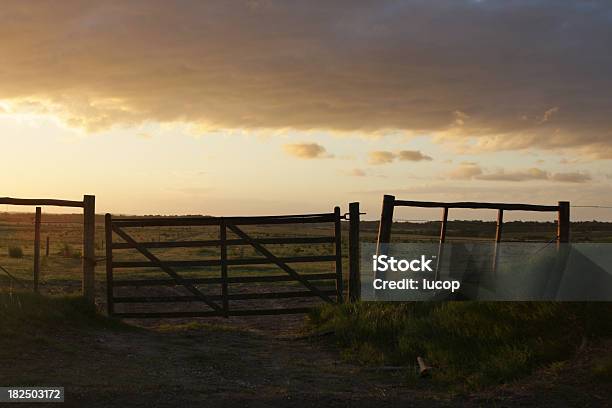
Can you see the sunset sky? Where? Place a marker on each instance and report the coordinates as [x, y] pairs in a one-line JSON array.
[[264, 107]]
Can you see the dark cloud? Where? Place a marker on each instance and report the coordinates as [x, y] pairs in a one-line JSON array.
[[511, 74]]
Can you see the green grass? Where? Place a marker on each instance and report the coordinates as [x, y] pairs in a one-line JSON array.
[[470, 344], [602, 370]]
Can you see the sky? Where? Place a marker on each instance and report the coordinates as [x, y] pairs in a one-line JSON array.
[[271, 107]]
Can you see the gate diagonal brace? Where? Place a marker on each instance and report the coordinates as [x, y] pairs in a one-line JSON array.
[[262, 250], [159, 263]]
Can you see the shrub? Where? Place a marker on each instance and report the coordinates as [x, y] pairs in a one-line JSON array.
[[15, 252], [68, 251]]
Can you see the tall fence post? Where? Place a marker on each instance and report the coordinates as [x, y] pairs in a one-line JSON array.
[[108, 238], [563, 238], [386, 221], [89, 256], [354, 253], [339, 275], [563, 222], [37, 248]]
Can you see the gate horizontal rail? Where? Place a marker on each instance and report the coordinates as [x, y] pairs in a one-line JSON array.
[[255, 312], [239, 296], [229, 242], [204, 221], [235, 279], [214, 262]]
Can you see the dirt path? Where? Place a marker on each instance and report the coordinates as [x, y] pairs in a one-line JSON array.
[[201, 365]]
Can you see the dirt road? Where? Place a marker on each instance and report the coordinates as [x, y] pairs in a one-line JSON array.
[[242, 363]]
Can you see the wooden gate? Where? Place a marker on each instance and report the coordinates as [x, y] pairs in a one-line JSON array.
[[199, 290]]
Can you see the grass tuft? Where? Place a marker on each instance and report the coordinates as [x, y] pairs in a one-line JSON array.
[[15, 252]]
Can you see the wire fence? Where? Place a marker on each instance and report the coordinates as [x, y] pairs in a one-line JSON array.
[[60, 252]]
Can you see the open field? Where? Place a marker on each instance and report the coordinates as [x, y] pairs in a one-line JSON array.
[[61, 270]]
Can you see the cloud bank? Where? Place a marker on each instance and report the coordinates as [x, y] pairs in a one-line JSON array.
[[502, 74], [469, 171]]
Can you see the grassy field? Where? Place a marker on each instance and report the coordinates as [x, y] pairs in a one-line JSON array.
[[62, 268]]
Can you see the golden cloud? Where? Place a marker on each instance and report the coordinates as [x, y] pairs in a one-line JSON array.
[[380, 157], [305, 150], [384, 157], [469, 171], [413, 155]]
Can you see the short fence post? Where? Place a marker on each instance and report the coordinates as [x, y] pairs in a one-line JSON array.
[[354, 253], [108, 237], [89, 237], [441, 243], [47, 248], [498, 238], [37, 248], [386, 221], [338, 237], [224, 285]]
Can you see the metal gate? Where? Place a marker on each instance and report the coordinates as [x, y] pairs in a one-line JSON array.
[[212, 293]]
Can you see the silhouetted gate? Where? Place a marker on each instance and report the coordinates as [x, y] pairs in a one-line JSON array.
[[199, 290]]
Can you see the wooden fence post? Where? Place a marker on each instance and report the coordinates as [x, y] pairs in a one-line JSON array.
[[47, 248], [563, 223], [441, 242], [563, 250], [498, 237], [338, 236], [386, 221], [89, 256], [108, 238], [354, 253], [37, 248], [224, 285]]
